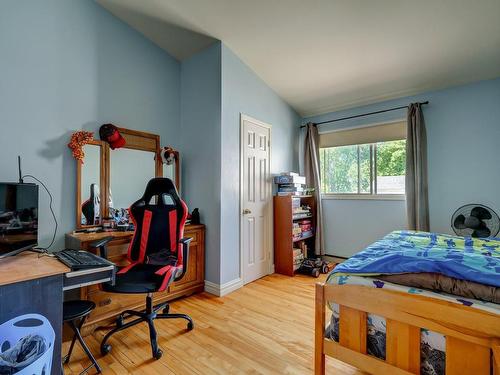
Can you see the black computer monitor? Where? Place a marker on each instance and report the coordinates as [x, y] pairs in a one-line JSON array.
[[18, 218]]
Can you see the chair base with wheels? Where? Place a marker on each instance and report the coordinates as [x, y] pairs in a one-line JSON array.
[[149, 315]]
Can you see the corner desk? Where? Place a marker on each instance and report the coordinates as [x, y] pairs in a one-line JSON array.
[[109, 305]]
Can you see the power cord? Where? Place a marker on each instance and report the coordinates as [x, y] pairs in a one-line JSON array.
[[45, 249]]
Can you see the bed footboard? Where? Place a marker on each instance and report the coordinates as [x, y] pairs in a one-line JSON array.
[[472, 335]]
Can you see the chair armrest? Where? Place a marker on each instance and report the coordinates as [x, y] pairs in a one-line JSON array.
[[101, 245], [185, 256], [185, 240]]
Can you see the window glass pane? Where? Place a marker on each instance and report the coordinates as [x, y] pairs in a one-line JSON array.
[[364, 168], [391, 167], [342, 166], [339, 167]]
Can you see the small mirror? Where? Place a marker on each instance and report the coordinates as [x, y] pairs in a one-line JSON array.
[[89, 199], [170, 171], [170, 159], [130, 171]]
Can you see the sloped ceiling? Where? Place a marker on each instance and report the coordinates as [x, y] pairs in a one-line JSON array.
[[323, 55]]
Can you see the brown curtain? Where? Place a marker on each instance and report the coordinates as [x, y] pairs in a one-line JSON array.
[[417, 201], [311, 171]]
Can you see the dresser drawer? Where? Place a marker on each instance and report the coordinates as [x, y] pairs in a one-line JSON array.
[[111, 304], [117, 253]]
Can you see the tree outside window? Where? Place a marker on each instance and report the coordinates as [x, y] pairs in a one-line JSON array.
[[375, 168]]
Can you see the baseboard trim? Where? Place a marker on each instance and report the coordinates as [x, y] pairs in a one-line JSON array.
[[333, 258], [221, 290]]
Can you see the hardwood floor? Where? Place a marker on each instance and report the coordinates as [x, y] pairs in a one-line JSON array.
[[266, 327]]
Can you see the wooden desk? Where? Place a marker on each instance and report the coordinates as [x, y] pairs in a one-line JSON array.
[[30, 284], [29, 266], [109, 305]]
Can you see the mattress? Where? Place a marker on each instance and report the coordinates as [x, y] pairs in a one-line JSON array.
[[433, 344], [450, 285]]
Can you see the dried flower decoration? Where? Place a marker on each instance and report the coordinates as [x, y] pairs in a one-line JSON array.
[[79, 139]]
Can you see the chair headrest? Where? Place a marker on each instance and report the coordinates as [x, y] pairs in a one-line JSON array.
[[157, 187]]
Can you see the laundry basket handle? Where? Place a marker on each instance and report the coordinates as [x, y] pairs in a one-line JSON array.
[[44, 328]]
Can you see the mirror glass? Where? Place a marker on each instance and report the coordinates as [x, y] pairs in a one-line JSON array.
[[130, 171], [89, 190], [169, 171]]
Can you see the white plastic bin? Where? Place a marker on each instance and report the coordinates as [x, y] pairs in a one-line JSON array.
[[12, 333]]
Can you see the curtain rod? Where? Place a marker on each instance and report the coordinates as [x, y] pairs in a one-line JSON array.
[[365, 114]]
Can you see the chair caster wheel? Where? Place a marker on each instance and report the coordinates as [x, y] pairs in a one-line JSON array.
[[158, 354], [190, 326], [105, 349], [166, 309]]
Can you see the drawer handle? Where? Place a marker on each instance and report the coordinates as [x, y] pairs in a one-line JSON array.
[[105, 302]]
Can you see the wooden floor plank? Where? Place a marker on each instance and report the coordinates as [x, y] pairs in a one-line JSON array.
[[266, 327]]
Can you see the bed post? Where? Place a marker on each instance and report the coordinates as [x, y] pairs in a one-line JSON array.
[[319, 330], [496, 359]]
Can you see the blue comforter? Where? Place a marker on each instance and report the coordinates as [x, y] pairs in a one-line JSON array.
[[464, 258]]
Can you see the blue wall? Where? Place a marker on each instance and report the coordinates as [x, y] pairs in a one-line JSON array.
[[463, 131], [70, 65], [243, 92], [201, 146], [216, 87]]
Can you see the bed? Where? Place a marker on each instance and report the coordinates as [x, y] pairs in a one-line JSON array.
[[382, 321]]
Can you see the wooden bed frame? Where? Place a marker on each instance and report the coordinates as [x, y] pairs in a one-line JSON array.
[[472, 335]]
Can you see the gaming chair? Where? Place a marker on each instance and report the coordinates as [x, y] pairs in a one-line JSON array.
[[158, 255]]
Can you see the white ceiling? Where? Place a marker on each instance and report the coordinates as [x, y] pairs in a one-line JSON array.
[[323, 55]]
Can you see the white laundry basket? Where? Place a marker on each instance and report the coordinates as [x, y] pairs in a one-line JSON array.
[[12, 333]]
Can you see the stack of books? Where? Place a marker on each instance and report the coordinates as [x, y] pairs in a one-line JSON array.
[[302, 229], [298, 258], [306, 228], [290, 183], [296, 232], [301, 212]]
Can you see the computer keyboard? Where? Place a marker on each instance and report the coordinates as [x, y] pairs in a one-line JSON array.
[[81, 259]]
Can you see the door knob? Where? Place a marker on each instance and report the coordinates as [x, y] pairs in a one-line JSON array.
[[246, 211]]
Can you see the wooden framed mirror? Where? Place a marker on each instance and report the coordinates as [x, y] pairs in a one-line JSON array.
[[113, 179], [90, 181]]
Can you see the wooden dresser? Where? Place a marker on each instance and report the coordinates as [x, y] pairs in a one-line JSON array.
[[109, 305]]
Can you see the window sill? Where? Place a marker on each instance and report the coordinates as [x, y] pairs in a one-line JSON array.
[[375, 197]]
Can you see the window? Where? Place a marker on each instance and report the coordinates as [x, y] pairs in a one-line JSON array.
[[365, 169]]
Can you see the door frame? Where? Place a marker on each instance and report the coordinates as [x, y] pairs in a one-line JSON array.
[[269, 211]]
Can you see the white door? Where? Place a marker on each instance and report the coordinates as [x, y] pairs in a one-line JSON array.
[[256, 202]]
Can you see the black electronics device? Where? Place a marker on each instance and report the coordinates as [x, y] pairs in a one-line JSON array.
[[18, 218], [81, 259]]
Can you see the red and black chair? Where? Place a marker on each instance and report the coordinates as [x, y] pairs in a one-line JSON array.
[[158, 255]]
